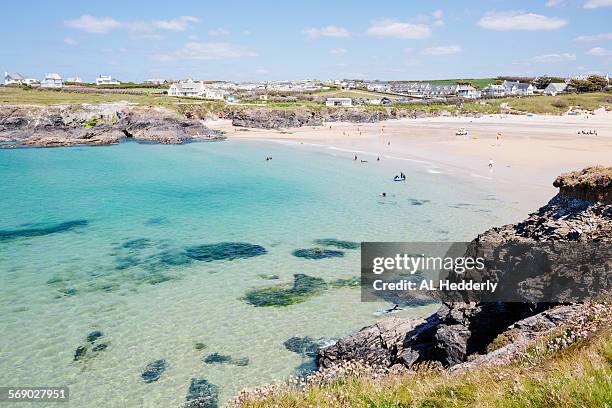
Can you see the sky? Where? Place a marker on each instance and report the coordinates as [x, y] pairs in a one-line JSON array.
[[289, 40]]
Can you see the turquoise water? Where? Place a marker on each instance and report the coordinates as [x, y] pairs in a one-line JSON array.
[[94, 238]]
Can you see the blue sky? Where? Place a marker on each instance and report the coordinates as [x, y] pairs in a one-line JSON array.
[[265, 40]]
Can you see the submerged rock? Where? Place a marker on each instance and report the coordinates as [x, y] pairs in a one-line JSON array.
[[305, 346], [202, 394], [303, 288], [317, 253], [79, 353], [353, 282], [337, 243], [138, 243], [414, 201], [154, 370], [94, 335], [6, 235], [199, 345], [217, 358], [99, 347], [224, 251]]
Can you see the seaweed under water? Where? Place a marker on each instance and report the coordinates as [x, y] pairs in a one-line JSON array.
[[224, 251], [6, 235]]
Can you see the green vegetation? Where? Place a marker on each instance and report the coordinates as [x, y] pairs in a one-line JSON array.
[[594, 176], [579, 376], [92, 122], [475, 82]]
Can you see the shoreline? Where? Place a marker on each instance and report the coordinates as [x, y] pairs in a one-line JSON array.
[[530, 153]]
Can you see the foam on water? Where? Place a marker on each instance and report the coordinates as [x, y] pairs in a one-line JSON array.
[[124, 269]]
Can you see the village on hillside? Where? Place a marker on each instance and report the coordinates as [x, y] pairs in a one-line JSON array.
[[364, 92]]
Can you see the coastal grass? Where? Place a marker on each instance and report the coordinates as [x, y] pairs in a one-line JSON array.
[[578, 376], [560, 103]]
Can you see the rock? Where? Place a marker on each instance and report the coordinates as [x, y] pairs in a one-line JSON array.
[[154, 370], [6, 235], [94, 335], [99, 347], [199, 345], [317, 253], [303, 288], [224, 251], [337, 243], [202, 394], [305, 346], [80, 352], [463, 330], [217, 358], [102, 124]]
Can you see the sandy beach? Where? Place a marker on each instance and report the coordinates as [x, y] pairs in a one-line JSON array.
[[529, 152]]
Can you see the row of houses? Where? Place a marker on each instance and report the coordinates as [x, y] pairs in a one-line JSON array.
[[198, 89], [53, 80]]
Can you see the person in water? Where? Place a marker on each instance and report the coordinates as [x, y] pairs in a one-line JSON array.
[[383, 194], [355, 157]]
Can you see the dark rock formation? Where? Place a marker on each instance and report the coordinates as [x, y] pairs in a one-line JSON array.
[[202, 394], [71, 125], [154, 370], [317, 253], [224, 251], [462, 330]]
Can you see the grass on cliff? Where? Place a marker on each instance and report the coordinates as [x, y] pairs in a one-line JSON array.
[[579, 376]]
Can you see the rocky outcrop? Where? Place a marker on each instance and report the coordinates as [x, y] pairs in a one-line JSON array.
[[71, 125], [462, 331], [291, 118]]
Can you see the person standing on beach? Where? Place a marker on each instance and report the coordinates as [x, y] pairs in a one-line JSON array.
[[490, 163]]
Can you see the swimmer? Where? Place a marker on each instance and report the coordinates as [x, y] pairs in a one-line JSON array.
[[383, 194]]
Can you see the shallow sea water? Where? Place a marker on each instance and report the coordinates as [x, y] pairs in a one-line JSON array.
[[93, 238]]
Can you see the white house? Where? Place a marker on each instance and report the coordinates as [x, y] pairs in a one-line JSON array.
[[344, 102], [494, 90], [106, 80], [517, 88], [77, 80], [468, 91], [52, 80], [14, 78], [555, 88], [189, 88], [214, 93]]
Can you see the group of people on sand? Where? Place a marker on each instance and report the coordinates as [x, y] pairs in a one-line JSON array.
[[587, 132]]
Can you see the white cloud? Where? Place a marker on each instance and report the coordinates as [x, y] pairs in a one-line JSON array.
[[593, 38], [214, 50], [388, 28], [176, 24], [338, 51], [599, 52], [262, 71], [443, 50], [554, 57], [514, 20], [102, 25], [98, 25], [329, 31], [70, 41], [554, 3], [438, 14], [591, 4], [218, 31]]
